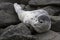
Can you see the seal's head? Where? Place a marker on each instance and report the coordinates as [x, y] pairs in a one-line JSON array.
[[42, 24]]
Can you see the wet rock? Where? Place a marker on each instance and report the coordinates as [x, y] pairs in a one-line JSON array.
[[7, 14], [15, 29], [44, 2]]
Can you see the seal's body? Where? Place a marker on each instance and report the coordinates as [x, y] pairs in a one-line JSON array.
[[38, 19]]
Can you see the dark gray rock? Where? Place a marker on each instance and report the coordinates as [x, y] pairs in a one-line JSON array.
[[52, 10], [16, 1], [51, 6], [29, 8], [19, 37], [23, 1], [1, 31], [59, 32], [22, 5], [44, 2], [15, 29], [55, 23], [7, 14], [51, 35], [8, 1]]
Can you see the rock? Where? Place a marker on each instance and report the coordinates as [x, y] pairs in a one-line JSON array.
[[59, 32], [23, 6], [16, 29], [19, 37], [7, 14], [16, 1], [1, 31], [23, 1], [51, 35], [44, 2], [55, 23], [52, 10], [29, 8], [8, 1], [55, 18]]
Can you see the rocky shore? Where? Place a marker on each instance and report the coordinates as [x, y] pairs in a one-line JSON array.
[[11, 28]]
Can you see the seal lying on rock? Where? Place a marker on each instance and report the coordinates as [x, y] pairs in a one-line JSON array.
[[38, 19]]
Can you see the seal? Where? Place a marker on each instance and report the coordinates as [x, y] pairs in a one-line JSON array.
[[38, 19]]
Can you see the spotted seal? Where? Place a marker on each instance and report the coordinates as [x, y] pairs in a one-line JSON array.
[[38, 19]]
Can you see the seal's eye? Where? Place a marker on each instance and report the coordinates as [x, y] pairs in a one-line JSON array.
[[41, 21], [43, 18]]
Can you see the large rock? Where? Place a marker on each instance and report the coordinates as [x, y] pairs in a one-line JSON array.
[[44, 2], [21, 32], [12, 1], [16, 32], [51, 35], [15, 29], [19, 37], [52, 10], [29, 8], [16, 1], [7, 14]]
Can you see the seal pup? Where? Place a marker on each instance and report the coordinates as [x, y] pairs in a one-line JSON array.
[[38, 19]]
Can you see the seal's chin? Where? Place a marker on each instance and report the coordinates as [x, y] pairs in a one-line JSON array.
[[43, 25]]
